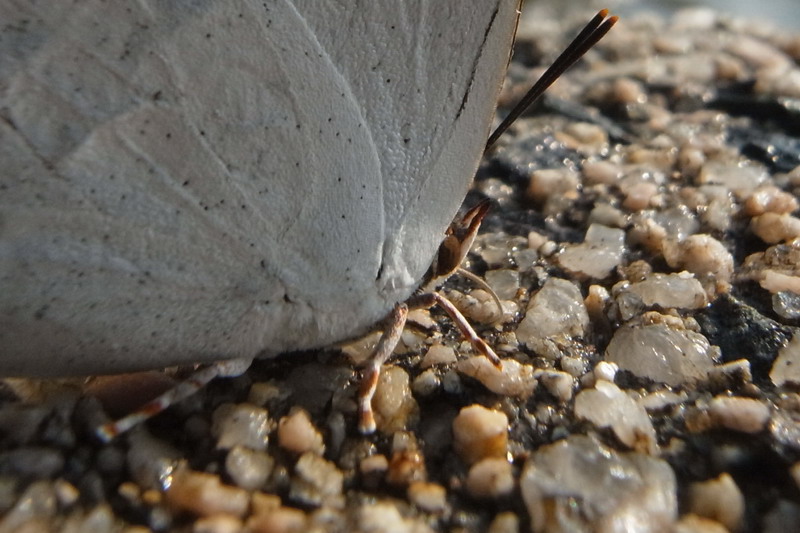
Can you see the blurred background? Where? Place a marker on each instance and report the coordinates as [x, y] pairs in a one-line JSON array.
[[784, 13]]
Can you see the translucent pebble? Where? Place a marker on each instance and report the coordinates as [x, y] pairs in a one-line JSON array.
[[605, 371], [557, 309], [241, 425], [679, 291], [598, 255], [577, 484], [661, 353], [741, 180], [606, 405], [248, 468], [504, 282], [787, 303], [786, 368]]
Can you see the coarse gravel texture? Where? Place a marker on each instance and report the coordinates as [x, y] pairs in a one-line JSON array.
[[644, 239]]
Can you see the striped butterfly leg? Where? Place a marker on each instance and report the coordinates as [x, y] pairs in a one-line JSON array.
[[394, 325], [199, 379]]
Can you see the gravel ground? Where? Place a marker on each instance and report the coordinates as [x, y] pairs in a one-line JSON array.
[[643, 243]]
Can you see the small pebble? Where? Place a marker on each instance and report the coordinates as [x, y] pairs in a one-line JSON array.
[[776, 282], [679, 291], [661, 352], [739, 414], [599, 254], [742, 180], [248, 468], [691, 523], [280, 520], [660, 399], [317, 482], [512, 379], [504, 522], [374, 463], [261, 393], [773, 228], [702, 255], [490, 478], [218, 524], [438, 354], [241, 425], [609, 406], [426, 384], [605, 371], [504, 282], [719, 499], [394, 405], [151, 461], [591, 487], [549, 188], [407, 464], [601, 172], [558, 384], [430, 497], [573, 366], [384, 517], [297, 434], [770, 199], [34, 507], [480, 433], [557, 309], [204, 494]]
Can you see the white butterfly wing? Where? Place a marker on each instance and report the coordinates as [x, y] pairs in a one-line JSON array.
[[186, 182]]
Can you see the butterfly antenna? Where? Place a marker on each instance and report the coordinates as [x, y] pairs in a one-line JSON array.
[[587, 38]]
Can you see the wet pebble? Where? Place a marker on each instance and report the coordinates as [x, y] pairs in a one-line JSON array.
[[606, 405], [612, 491], [556, 310], [599, 254], [663, 352]]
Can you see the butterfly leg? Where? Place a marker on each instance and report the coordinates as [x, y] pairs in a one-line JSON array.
[[395, 323], [195, 382], [429, 299]]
